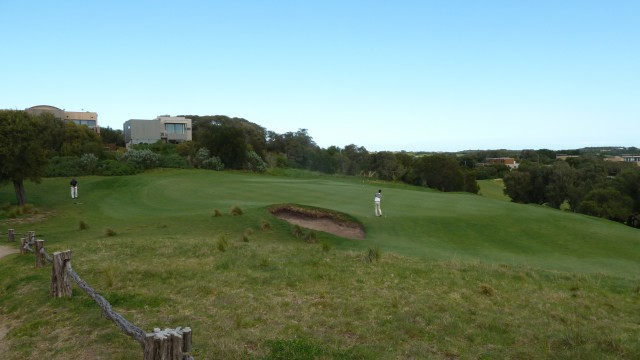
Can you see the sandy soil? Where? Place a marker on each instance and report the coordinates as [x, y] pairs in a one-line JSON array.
[[322, 224], [6, 250]]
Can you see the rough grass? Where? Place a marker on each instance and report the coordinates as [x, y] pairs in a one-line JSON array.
[[447, 282]]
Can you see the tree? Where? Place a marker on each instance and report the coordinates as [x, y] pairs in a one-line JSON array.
[[112, 138], [561, 182], [387, 166], [79, 140], [607, 203], [517, 186], [440, 172], [25, 143]]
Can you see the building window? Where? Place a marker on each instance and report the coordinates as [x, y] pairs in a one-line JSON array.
[[89, 123], [174, 128]]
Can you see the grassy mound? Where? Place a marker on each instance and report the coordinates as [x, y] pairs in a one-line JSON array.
[[458, 276]]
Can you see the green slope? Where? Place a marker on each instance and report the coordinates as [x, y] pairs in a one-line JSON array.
[[416, 222]]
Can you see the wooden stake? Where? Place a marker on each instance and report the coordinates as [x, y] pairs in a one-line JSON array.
[[60, 284], [39, 255]]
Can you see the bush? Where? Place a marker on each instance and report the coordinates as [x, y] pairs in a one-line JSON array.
[[60, 166], [255, 162], [145, 159], [89, 163], [203, 160], [116, 168], [174, 161], [236, 210], [217, 213], [110, 232]]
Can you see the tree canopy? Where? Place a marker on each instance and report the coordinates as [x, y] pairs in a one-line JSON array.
[[26, 142]]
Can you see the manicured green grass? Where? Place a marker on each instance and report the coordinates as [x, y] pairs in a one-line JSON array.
[[460, 276], [493, 189]]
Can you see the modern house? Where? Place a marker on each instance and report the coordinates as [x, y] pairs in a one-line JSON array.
[[634, 159], [86, 118], [172, 129], [510, 162]]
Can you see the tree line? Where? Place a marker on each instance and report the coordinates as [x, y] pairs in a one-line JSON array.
[[586, 184], [32, 147]]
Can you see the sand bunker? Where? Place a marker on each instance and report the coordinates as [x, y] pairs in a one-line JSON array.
[[319, 219]]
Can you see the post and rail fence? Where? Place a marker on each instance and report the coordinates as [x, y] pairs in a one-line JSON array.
[[167, 344]]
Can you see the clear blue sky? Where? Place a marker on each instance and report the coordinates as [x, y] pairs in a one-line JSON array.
[[387, 75]]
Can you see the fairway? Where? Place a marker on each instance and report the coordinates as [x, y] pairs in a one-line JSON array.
[[440, 275], [416, 222]]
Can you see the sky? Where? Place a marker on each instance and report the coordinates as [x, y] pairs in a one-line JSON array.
[[424, 75]]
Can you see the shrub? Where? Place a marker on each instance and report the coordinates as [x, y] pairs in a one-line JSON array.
[[64, 166], [110, 232], [116, 168], [236, 210], [89, 163], [217, 213], [255, 163], [204, 160], [174, 161], [145, 159]]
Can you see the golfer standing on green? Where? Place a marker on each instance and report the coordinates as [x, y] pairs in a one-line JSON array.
[[376, 202], [74, 188]]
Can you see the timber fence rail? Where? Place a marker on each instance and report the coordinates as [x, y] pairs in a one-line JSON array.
[[167, 344]]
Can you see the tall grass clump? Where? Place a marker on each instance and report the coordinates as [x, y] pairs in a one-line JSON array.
[[265, 225], [297, 231], [311, 237], [373, 254], [217, 213], [222, 243], [83, 225], [110, 232], [236, 210], [247, 234]]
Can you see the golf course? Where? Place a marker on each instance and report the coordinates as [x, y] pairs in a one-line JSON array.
[[438, 276]]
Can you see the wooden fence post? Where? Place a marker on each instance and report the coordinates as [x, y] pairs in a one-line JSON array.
[[23, 242], [187, 345], [60, 284], [31, 237], [170, 344], [11, 235], [39, 255]]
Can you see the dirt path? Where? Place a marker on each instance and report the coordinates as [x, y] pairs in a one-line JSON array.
[[6, 250]]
